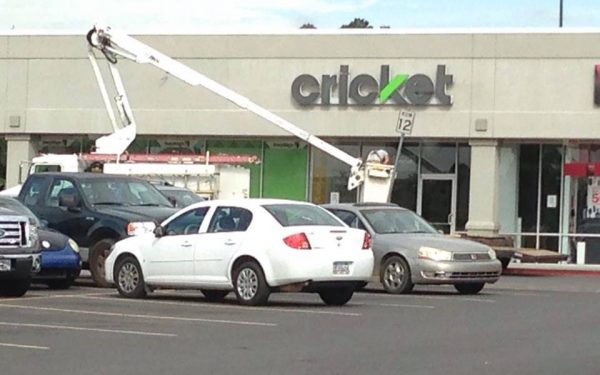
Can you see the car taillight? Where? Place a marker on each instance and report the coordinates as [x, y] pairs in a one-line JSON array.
[[366, 241], [297, 241]]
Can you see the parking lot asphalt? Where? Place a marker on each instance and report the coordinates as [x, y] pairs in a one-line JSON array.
[[521, 325]]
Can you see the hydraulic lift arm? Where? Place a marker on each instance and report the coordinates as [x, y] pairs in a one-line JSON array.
[[114, 44]]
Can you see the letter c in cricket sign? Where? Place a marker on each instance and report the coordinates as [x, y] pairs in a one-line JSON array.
[[364, 89]]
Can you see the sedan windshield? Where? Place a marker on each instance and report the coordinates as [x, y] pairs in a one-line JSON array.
[[182, 197], [122, 192], [290, 215], [396, 221]]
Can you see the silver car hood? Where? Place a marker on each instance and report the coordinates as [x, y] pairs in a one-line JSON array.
[[413, 241]]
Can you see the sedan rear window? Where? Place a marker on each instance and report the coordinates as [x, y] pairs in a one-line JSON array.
[[291, 215]]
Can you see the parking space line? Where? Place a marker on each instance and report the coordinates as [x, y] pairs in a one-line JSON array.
[[102, 330], [224, 306], [450, 298], [403, 305], [50, 296], [484, 300], [519, 294], [138, 316], [24, 346], [397, 305]]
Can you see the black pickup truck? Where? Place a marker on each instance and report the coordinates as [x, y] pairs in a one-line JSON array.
[[19, 247], [95, 210]]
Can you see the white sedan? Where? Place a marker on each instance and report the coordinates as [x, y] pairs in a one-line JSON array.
[[251, 246]]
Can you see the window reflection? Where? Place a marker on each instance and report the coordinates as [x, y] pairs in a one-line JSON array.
[[331, 175], [438, 157]]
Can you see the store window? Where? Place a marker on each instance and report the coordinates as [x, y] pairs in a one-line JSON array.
[[175, 145], [438, 157], [51, 144], [330, 175], [540, 180], [463, 175], [404, 192], [582, 219]]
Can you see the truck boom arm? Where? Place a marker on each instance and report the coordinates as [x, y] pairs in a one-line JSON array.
[[113, 43]]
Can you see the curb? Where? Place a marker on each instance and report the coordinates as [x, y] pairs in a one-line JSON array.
[[514, 271]]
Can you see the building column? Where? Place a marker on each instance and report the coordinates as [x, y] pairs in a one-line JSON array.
[[484, 188], [19, 148], [508, 185]]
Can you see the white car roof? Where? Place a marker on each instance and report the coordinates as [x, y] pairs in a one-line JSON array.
[[246, 203]]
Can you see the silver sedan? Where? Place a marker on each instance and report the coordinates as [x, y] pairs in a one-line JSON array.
[[409, 251]]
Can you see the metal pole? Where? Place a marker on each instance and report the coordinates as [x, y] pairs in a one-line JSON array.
[[560, 14], [394, 171]]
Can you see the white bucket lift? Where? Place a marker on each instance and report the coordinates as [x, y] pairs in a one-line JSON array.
[[374, 179]]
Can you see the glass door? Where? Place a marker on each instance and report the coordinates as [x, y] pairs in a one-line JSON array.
[[436, 200]]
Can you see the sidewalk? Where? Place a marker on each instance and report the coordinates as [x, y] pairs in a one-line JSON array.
[[552, 269]]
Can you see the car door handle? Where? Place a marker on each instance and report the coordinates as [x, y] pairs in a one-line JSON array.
[[229, 242], [187, 244]]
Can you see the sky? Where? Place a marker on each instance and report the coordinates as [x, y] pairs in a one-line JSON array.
[[257, 15]]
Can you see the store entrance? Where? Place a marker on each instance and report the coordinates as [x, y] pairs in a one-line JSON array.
[[436, 200]]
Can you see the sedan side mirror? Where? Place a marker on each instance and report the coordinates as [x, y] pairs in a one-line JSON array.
[[159, 231]]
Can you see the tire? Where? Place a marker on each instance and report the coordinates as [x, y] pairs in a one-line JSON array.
[[61, 284], [395, 276], [15, 288], [336, 296], [250, 285], [469, 288], [129, 278], [213, 295], [98, 254]]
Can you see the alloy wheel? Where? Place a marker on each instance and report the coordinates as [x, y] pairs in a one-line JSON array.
[[393, 276], [129, 277], [247, 284]]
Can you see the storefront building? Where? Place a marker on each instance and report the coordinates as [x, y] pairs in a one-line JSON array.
[[505, 141]]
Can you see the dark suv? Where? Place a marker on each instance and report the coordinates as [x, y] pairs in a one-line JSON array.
[[95, 210], [19, 247]]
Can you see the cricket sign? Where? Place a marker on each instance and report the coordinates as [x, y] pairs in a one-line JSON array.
[[364, 89]]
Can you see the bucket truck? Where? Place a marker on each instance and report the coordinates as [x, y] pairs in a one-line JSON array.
[[372, 178]]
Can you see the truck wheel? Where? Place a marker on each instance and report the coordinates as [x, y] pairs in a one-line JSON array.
[[336, 296], [98, 254], [16, 288], [213, 295], [469, 288], [129, 278], [250, 285], [395, 276]]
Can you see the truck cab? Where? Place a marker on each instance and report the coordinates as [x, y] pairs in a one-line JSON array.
[[94, 209]]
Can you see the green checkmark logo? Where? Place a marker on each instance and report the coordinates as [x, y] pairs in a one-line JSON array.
[[389, 89]]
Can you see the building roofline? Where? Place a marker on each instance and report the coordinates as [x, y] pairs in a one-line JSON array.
[[265, 32]]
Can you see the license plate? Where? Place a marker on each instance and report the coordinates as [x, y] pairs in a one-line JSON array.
[[4, 265], [341, 268]]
